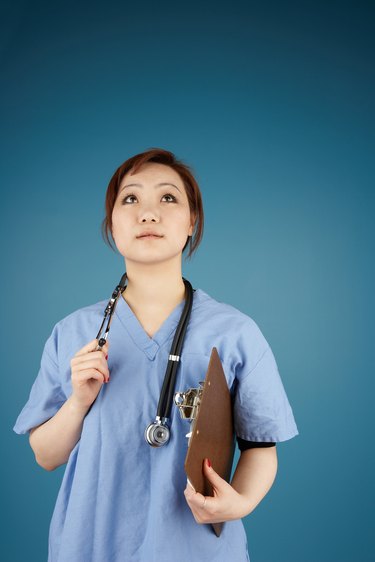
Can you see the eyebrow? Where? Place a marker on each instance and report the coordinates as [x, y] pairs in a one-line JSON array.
[[157, 185]]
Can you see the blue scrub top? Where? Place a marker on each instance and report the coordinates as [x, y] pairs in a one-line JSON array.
[[122, 500]]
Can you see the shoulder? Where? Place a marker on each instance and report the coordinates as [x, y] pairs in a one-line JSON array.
[[237, 335], [226, 315], [75, 329], [87, 314]]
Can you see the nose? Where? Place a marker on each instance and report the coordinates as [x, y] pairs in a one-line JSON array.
[[148, 213]]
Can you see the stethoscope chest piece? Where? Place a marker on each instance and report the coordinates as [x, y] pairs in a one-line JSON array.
[[157, 433]]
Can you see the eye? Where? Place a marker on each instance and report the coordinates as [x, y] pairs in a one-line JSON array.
[[125, 201], [172, 196]]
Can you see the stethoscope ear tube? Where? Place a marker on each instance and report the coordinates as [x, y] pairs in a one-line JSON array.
[[109, 310]]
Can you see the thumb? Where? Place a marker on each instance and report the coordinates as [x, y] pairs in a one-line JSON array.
[[218, 483]]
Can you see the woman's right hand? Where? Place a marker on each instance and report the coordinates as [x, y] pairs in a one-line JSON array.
[[89, 370]]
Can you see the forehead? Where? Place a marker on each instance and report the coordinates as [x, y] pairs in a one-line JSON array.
[[152, 173]]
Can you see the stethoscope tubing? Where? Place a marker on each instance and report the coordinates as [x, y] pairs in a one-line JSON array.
[[166, 394], [109, 310]]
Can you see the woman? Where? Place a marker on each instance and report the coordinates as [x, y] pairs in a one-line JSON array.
[[122, 499]]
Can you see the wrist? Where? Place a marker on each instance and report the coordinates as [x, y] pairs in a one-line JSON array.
[[76, 407], [246, 505]]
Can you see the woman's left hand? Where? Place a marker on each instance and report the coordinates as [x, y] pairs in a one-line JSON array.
[[226, 504]]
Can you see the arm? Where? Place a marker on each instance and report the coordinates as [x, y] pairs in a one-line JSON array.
[[253, 477], [53, 441]]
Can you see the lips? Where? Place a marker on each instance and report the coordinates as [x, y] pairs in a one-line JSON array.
[[149, 234]]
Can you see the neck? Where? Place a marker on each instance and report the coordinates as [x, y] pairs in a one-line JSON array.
[[150, 285]]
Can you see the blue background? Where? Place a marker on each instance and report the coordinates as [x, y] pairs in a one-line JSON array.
[[271, 103]]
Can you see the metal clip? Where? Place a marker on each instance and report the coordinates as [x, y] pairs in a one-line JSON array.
[[188, 402]]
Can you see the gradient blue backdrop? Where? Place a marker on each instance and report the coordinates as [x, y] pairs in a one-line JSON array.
[[271, 103]]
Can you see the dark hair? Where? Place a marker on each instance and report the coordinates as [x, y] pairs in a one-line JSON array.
[[191, 186]]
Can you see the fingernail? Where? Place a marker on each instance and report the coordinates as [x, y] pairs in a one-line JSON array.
[[106, 356], [208, 463]]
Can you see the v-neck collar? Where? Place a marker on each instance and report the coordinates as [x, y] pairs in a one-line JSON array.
[[150, 346]]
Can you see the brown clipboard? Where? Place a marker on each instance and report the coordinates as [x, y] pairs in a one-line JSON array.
[[212, 433]]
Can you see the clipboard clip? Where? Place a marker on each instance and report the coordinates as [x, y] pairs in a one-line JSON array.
[[188, 402]]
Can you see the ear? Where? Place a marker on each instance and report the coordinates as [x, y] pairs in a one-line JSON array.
[[193, 218]]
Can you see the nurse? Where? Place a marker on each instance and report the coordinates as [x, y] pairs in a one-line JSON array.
[[122, 500]]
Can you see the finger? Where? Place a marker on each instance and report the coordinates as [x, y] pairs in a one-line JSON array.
[[188, 492], [199, 505], [95, 363], [91, 346], [217, 482], [97, 355], [87, 374], [100, 364], [195, 500], [103, 350]]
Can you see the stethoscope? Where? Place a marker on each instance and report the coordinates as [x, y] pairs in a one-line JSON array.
[[156, 433]]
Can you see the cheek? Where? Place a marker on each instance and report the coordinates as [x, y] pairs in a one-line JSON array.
[[118, 221], [183, 218]]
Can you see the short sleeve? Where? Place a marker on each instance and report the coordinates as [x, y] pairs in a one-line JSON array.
[[261, 408], [46, 395]]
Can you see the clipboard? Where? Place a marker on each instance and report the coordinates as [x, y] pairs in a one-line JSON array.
[[212, 432]]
